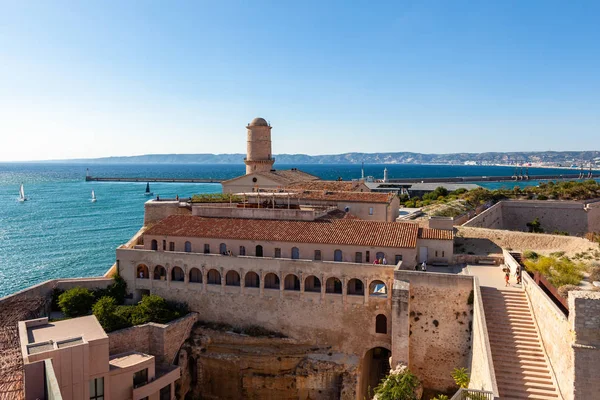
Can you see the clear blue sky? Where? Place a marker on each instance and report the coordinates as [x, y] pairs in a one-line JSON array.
[[90, 79]]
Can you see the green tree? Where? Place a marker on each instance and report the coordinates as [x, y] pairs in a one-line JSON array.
[[105, 311], [76, 302]]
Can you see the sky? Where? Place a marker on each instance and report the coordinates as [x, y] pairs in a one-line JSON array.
[[82, 79]]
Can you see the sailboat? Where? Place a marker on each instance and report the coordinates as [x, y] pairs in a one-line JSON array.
[[148, 192], [22, 197], [93, 197]]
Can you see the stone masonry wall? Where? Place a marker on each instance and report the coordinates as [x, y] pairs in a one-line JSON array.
[[556, 335], [483, 376], [154, 211], [584, 315], [440, 325], [490, 218], [160, 340]]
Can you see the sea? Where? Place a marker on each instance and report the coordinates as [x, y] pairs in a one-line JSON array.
[[60, 233]]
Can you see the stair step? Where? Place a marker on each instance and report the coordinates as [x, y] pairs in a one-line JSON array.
[[525, 374], [538, 383], [519, 357], [530, 391], [503, 342]]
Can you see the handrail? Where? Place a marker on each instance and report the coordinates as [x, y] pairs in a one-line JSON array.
[[473, 394]]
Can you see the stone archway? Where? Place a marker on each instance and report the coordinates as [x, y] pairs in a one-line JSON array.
[[375, 365]]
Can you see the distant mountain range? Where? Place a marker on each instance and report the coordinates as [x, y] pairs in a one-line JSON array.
[[556, 158]]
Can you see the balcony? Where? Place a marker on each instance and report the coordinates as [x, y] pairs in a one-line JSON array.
[[165, 375]]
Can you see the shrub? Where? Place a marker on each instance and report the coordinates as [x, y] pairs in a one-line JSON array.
[[76, 302], [535, 226], [564, 290], [117, 290], [105, 310], [440, 397], [55, 295], [461, 377], [558, 271], [154, 308], [398, 387], [594, 274], [530, 255]]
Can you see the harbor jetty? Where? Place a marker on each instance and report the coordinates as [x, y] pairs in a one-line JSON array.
[[136, 179]]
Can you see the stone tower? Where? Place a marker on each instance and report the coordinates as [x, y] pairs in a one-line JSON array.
[[258, 152]]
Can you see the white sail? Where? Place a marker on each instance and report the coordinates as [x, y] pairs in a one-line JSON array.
[[22, 194], [93, 196]]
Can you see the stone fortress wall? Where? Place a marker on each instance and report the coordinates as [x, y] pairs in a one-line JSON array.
[[574, 217], [317, 317], [432, 325], [160, 340]]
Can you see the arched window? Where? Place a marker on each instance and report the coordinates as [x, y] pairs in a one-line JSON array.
[[223, 249], [271, 281], [188, 247], [142, 272], [195, 275], [242, 250], [381, 324], [312, 284], [358, 257], [160, 273], [356, 287], [259, 251], [337, 255], [317, 255], [295, 253], [177, 274], [232, 278], [154, 244], [333, 285], [291, 282], [252, 279], [377, 289], [213, 277]]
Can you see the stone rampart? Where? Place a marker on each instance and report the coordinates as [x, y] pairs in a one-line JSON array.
[[481, 367], [282, 297], [490, 218], [584, 316], [574, 217], [556, 335], [160, 340], [439, 337]]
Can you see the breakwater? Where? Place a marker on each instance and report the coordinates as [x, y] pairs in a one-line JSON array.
[[514, 178], [133, 179]]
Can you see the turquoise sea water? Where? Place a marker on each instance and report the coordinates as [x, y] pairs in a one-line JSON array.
[[59, 232]]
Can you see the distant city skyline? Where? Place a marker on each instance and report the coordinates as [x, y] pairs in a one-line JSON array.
[[100, 79]]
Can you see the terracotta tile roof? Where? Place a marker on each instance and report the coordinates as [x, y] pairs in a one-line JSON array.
[[435, 234], [325, 231], [361, 197], [341, 186]]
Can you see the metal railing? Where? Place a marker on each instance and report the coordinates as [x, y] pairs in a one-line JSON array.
[[473, 394]]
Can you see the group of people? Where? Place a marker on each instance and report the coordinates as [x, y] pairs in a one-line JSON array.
[[507, 275], [382, 261], [421, 267]]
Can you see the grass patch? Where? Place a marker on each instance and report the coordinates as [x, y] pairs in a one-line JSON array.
[[559, 271]]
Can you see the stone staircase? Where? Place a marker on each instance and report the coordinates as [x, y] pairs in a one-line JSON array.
[[522, 371]]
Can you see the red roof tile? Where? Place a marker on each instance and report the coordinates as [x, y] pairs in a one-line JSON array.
[[326, 231], [435, 234]]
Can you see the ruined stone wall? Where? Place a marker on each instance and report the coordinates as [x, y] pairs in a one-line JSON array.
[[556, 335], [160, 340], [584, 316], [440, 325]]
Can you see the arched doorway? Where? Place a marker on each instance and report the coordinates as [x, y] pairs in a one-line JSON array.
[[374, 367], [259, 251]]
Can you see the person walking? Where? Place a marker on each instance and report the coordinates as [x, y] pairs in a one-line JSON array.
[[506, 277], [518, 274], [424, 267]]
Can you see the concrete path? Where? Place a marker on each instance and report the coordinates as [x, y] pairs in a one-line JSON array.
[[492, 276]]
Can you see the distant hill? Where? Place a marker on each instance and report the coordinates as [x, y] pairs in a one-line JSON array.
[[563, 158]]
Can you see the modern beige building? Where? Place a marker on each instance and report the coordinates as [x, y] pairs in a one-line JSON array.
[[70, 359]]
